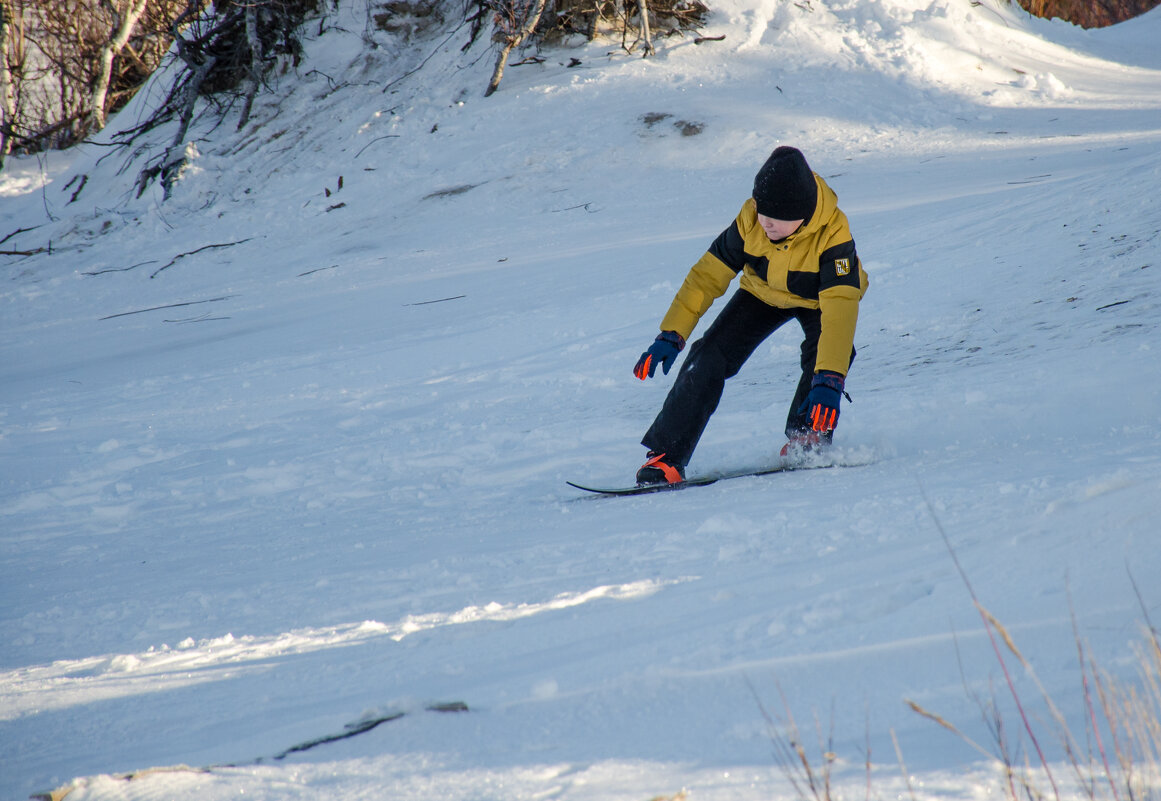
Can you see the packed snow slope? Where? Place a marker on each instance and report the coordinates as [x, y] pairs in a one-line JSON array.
[[284, 456]]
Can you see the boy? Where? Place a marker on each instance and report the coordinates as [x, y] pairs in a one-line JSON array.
[[793, 247]]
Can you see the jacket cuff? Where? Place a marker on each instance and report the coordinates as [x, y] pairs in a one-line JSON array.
[[826, 378]]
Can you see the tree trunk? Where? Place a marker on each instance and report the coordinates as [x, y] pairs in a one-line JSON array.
[[511, 43], [647, 39], [123, 28], [175, 155], [255, 46], [7, 99]]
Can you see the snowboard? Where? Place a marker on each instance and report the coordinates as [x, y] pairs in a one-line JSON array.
[[705, 480]]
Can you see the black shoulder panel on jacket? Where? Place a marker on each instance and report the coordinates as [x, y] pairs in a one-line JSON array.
[[729, 248], [838, 266]]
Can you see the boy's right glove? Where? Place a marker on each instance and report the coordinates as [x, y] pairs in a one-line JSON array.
[[664, 349], [822, 404]]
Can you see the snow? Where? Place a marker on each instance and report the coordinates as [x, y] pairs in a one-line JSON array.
[[311, 476]]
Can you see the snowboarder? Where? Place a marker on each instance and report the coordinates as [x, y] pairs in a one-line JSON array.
[[793, 247]]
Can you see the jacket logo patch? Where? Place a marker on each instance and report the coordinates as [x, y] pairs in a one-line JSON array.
[[842, 266]]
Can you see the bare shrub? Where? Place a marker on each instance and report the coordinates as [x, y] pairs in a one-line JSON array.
[[620, 18], [516, 22], [408, 19], [224, 50], [66, 65], [1089, 13]]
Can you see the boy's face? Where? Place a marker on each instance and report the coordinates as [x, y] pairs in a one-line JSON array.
[[778, 229]]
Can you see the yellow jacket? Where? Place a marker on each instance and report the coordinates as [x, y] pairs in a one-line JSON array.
[[814, 268]]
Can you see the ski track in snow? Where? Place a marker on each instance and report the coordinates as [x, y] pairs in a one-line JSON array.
[[68, 682], [219, 481]]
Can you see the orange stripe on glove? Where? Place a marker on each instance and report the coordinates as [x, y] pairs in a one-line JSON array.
[[822, 418], [644, 367], [822, 404], [664, 350]]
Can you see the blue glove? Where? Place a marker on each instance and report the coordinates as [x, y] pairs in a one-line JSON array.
[[664, 350], [822, 404]]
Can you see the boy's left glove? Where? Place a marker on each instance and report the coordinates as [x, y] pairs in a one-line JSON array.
[[664, 349], [822, 404]]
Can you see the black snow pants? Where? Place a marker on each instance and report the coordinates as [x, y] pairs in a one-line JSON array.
[[739, 329]]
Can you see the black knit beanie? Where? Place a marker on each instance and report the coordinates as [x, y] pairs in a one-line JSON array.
[[784, 188]]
